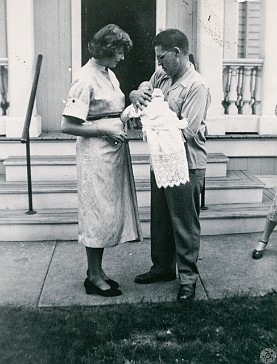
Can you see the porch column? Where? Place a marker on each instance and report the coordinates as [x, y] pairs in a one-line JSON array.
[[231, 16], [21, 63], [210, 44], [268, 119]]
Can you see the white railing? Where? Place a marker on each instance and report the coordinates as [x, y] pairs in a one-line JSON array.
[[4, 104], [242, 86]]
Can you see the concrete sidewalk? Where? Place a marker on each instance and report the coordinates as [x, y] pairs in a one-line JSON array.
[[44, 274]]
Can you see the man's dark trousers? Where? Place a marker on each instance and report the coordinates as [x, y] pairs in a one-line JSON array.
[[175, 227]]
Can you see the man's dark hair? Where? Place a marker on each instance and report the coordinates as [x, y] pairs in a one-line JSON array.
[[107, 40], [170, 38]]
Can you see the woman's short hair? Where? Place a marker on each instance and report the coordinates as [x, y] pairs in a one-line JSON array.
[[107, 40], [171, 38]]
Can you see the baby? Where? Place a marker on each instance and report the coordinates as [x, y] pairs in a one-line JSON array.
[[162, 130]]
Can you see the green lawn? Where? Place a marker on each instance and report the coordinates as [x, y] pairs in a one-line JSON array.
[[229, 331]]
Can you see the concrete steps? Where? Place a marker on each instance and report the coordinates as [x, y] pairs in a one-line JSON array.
[[44, 168], [236, 187], [56, 143], [237, 201], [62, 224], [63, 167]]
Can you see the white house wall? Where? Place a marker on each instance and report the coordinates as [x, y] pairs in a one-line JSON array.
[[3, 30], [183, 15], [53, 40]]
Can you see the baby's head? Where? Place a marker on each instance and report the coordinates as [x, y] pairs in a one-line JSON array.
[[147, 86]]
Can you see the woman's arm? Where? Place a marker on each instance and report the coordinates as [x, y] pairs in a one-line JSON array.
[[74, 126]]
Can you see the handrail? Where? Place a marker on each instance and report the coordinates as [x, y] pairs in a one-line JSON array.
[[31, 100], [243, 62], [25, 134]]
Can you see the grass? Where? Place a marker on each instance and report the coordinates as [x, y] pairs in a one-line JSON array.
[[232, 330]]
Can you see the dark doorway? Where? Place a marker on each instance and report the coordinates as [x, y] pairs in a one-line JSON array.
[[138, 19]]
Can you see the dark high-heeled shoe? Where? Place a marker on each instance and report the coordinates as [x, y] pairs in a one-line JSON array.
[[93, 289], [258, 254], [111, 282]]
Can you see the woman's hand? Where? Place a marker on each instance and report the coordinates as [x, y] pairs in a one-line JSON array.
[[113, 129], [140, 98]]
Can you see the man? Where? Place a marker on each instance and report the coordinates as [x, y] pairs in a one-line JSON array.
[[175, 225]]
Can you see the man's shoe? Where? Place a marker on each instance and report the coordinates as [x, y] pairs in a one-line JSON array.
[[186, 292], [151, 277]]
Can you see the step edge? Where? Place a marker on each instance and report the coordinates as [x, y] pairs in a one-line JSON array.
[[144, 213], [136, 158]]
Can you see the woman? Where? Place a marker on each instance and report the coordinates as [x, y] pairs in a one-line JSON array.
[[107, 213], [270, 224]]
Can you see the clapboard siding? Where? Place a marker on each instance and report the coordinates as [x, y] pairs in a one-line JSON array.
[[249, 28], [53, 41], [241, 30], [253, 30]]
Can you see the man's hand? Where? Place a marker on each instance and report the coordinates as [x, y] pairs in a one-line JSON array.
[[140, 98]]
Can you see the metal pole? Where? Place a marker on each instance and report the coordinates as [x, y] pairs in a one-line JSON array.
[[31, 100], [29, 177], [25, 134]]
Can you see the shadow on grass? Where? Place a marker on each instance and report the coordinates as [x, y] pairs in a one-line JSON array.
[[232, 330]]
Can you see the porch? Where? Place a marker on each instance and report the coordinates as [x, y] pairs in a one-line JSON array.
[[239, 186]]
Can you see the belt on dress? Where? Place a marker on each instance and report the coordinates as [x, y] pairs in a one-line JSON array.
[[104, 116]]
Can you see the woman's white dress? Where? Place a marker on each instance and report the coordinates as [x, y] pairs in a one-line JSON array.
[[107, 214]]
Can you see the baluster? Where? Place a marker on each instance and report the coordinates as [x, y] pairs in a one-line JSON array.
[[252, 88], [232, 110], [246, 108], [239, 89], [4, 89], [226, 88], [257, 92]]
